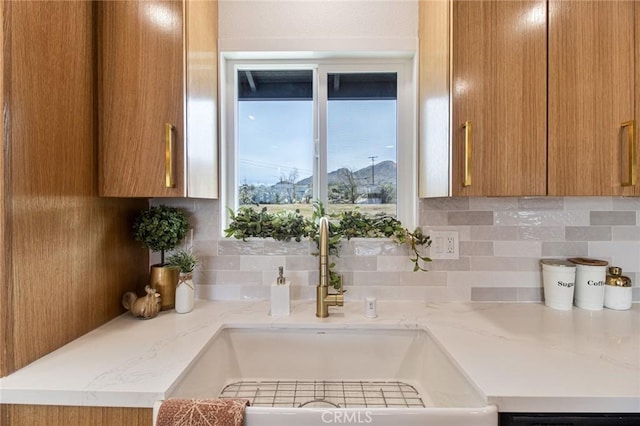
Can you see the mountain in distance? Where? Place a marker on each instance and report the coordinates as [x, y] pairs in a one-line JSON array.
[[383, 172]]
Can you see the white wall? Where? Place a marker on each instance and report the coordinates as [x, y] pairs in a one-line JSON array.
[[320, 25]]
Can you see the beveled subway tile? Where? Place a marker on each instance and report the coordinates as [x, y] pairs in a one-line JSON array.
[[566, 249], [206, 207], [205, 247], [542, 218], [377, 247], [588, 203], [218, 292], [279, 248], [476, 248], [220, 262], [540, 203], [505, 264], [357, 294], [470, 218], [625, 203], [588, 233], [493, 203], [446, 203], [447, 294], [394, 263], [500, 248], [204, 277], [206, 219], [346, 248], [494, 233], [356, 263], [625, 254], [239, 247], [612, 218], [461, 264], [433, 217], [239, 277], [517, 248], [541, 233], [530, 294], [494, 279], [255, 292], [399, 278], [494, 294], [300, 263], [303, 292], [625, 233], [313, 277], [262, 263]]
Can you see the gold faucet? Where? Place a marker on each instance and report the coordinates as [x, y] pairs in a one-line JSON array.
[[323, 298]]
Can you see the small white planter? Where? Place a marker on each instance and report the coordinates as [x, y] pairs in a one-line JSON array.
[[185, 293]]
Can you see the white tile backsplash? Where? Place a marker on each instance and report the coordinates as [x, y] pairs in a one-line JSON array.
[[517, 248], [625, 254], [501, 242]]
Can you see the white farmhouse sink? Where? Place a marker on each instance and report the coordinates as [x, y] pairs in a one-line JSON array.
[[319, 376]]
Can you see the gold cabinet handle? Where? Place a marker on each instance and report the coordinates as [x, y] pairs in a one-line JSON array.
[[467, 153], [633, 164], [168, 155]]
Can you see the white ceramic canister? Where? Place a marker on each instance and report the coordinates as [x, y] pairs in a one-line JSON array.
[[590, 282], [558, 279], [617, 290]]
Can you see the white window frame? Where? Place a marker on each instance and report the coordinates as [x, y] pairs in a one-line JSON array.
[[406, 134]]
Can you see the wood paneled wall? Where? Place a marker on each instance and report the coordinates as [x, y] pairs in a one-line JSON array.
[[67, 254]]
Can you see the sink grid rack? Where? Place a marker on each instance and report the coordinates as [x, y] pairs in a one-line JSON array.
[[327, 394]]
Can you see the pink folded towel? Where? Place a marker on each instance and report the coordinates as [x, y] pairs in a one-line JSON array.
[[202, 412]]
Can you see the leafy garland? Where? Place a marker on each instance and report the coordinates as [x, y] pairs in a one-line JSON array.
[[291, 225]]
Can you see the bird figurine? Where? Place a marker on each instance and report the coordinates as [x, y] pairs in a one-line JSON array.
[[144, 307]]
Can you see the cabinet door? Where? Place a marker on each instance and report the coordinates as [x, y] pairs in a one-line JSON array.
[[499, 90], [141, 105], [591, 95]]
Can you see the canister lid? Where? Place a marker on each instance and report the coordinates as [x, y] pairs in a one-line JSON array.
[[557, 262], [616, 279], [615, 270], [588, 262]]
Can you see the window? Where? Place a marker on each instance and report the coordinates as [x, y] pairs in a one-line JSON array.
[[342, 133]]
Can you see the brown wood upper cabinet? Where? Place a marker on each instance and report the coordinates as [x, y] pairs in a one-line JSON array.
[[157, 92], [498, 92], [593, 97], [502, 88], [499, 98]]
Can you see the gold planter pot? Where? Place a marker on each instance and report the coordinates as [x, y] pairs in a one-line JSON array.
[[164, 280]]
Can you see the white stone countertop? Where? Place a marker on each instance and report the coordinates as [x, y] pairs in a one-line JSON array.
[[522, 357]]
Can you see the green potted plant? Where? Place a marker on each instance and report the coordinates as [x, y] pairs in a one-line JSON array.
[[184, 261], [160, 229], [247, 222]]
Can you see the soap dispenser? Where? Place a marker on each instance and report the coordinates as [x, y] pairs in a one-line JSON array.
[[280, 295]]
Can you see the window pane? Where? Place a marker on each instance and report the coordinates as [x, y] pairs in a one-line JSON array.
[[275, 139], [361, 142]]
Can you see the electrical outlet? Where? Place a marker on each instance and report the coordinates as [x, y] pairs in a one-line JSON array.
[[444, 245]]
